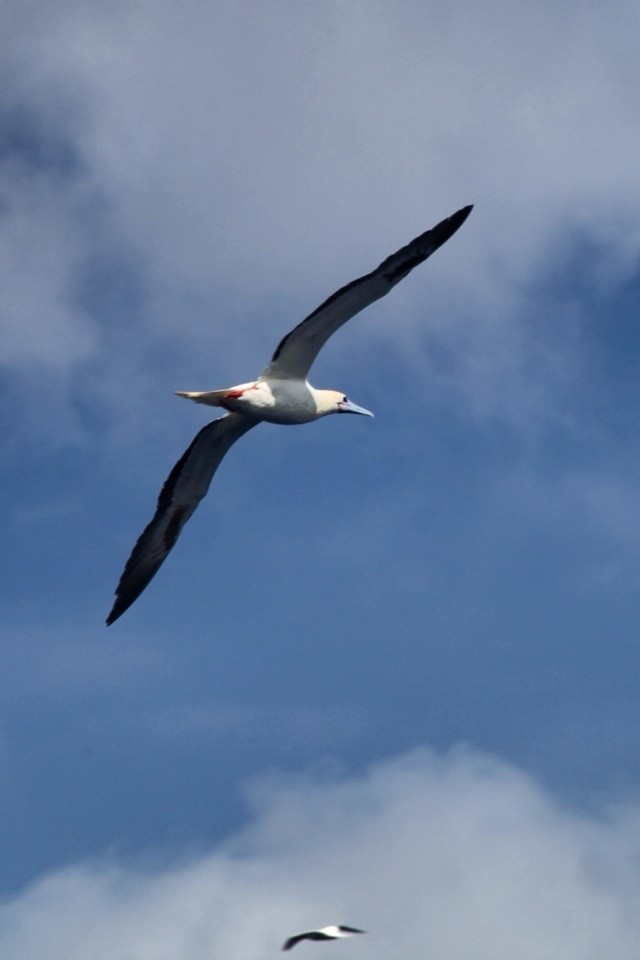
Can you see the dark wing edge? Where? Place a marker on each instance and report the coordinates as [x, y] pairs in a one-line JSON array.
[[345, 302], [181, 493], [291, 942], [317, 935], [310, 935]]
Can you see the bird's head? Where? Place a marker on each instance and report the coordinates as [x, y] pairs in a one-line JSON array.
[[332, 401]]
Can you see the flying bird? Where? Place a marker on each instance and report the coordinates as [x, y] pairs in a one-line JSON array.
[[324, 933], [281, 394]]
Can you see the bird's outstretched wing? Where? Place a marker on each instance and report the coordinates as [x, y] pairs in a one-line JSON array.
[[183, 490], [324, 933], [291, 942], [296, 352], [309, 935]]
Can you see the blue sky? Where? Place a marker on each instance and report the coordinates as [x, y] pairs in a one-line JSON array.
[[403, 647]]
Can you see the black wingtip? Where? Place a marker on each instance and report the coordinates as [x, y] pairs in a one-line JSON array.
[[116, 611], [113, 616], [444, 230], [461, 215]]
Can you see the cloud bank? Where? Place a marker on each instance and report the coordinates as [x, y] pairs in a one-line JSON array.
[[459, 856]]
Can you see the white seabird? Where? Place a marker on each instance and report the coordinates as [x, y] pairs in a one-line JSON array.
[[324, 933], [281, 394]]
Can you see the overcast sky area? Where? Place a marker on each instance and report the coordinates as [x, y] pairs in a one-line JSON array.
[[389, 675]]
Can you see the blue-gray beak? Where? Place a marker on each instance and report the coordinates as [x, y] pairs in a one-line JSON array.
[[346, 406]]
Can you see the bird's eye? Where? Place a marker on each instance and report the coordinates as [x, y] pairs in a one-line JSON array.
[[345, 400]]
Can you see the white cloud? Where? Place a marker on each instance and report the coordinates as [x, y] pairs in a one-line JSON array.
[[456, 857]]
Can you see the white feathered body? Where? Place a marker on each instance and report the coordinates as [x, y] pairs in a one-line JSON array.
[[276, 401]]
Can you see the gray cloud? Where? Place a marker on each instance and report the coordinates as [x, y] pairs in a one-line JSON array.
[[41, 242], [245, 163]]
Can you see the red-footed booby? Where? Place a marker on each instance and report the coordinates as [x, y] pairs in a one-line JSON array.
[[281, 394], [323, 933]]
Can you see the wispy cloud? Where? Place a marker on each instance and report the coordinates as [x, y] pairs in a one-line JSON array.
[[58, 661], [316, 728]]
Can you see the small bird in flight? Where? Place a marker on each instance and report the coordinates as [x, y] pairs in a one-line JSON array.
[[281, 394], [324, 933]]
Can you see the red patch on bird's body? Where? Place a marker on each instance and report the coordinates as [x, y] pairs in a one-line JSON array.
[[240, 392]]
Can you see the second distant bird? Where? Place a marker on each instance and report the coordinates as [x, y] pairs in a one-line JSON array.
[[281, 394], [334, 932]]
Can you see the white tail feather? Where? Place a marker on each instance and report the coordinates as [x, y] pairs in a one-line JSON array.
[[212, 398]]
